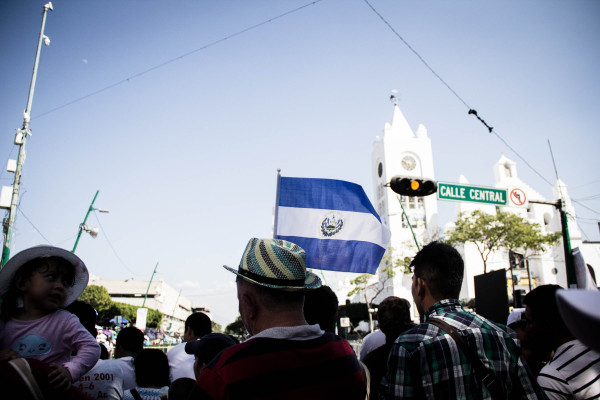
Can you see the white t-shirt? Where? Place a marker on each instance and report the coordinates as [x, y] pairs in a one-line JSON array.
[[181, 363], [372, 341], [103, 381], [126, 364]]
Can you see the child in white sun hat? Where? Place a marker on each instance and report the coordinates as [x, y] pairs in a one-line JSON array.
[[34, 285]]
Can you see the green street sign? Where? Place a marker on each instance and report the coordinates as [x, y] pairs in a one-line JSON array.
[[475, 194]]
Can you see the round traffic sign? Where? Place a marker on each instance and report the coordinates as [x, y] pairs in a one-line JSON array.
[[517, 197]]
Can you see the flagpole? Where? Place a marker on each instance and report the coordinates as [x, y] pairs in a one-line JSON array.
[[276, 203]]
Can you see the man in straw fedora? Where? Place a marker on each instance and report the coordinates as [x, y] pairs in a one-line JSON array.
[[284, 357]]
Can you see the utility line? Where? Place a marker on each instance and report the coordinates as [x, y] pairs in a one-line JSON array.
[[471, 111], [113, 249], [588, 198], [416, 53], [7, 158], [34, 227], [584, 206], [177, 58]]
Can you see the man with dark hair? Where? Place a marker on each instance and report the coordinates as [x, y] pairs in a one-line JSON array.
[[393, 315], [284, 357], [205, 349], [109, 378], [574, 370], [151, 376], [321, 307], [426, 361], [182, 364], [130, 342]]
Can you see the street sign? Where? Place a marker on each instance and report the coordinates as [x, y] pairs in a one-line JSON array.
[[140, 320], [517, 197], [476, 194]]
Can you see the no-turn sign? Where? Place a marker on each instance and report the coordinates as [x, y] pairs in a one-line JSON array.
[[517, 197]]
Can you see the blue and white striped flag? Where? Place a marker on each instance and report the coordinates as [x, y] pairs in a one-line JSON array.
[[333, 221]]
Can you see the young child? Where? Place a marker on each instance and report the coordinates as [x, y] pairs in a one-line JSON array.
[[34, 285]]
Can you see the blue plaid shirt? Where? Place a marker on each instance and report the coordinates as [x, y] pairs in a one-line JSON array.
[[426, 363]]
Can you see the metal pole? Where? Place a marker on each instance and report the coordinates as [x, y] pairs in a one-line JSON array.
[[149, 283], [564, 222], [84, 221], [176, 302], [570, 265], [23, 133], [276, 218], [409, 224]]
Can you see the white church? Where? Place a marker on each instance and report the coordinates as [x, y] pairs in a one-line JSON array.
[[402, 151]]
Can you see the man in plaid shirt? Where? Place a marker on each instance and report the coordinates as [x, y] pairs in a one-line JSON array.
[[426, 363]]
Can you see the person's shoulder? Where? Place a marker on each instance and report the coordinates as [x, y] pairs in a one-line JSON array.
[[418, 333], [65, 317], [176, 350], [108, 365], [124, 361]]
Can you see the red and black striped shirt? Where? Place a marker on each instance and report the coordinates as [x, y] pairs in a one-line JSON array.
[[268, 368]]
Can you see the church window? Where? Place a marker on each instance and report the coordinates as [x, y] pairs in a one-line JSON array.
[[507, 170], [547, 219]]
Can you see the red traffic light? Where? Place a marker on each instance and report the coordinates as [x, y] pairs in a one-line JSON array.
[[411, 186]]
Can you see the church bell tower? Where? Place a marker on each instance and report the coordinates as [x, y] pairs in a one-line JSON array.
[[402, 152]]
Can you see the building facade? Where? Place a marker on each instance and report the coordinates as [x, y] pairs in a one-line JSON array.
[[161, 296]]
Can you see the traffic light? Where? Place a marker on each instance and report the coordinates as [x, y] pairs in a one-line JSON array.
[[411, 186]]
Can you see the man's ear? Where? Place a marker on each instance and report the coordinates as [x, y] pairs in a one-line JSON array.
[[422, 287], [250, 304]]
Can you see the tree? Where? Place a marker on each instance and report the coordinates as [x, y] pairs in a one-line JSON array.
[[504, 230], [97, 297], [129, 312], [216, 327], [107, 309], [236, 328], [371, 286]]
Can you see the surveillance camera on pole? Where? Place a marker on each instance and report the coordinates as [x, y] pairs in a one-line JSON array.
[[413, 186]]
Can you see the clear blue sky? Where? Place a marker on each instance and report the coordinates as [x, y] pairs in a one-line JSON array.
[[185, 156]]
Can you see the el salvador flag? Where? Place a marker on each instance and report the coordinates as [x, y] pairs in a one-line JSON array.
[[333, 221]]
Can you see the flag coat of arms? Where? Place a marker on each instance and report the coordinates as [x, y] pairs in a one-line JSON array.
[[333, 221]]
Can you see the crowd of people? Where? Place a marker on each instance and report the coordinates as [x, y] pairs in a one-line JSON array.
[[48, 346]]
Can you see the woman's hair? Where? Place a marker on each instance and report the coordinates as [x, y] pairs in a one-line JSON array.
[[9, 303], [151, 368]]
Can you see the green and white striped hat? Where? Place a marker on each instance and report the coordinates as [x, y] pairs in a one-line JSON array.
[[276, 264]]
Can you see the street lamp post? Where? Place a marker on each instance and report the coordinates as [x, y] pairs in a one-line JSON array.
[[84, 227], [149, 283], [21, 139]]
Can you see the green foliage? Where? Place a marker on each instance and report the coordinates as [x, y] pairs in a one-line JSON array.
[[129, 312], [216, 327], [369, 288], [97, 297], [107, 309], [237, 329], [504, 230]]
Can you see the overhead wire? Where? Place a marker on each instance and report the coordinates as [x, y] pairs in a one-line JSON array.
[[206, 46], [416, 53], [112, 247], [34, 227], [471, 110]]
